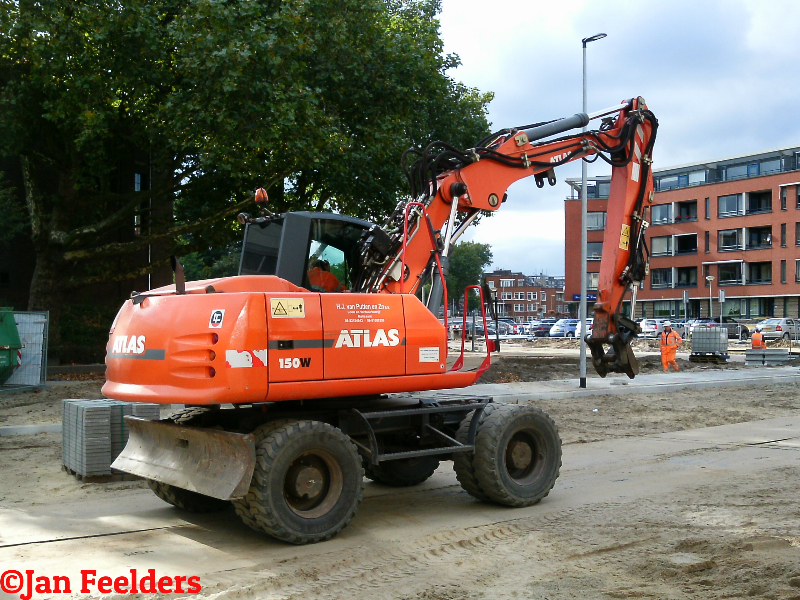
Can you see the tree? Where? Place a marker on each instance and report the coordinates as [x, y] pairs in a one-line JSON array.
[[206, 100], [467, 261]]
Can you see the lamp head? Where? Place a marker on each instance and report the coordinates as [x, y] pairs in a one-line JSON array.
[[594, 38]]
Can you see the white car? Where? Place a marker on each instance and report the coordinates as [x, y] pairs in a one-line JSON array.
[[589, 325]]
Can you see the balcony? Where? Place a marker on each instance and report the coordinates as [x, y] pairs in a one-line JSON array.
[[759, 202]]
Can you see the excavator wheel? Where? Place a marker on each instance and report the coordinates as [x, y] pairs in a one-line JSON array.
[[185, 499], [178, 497], [463, 461], [307, 484], [517, 455], [403, 473]]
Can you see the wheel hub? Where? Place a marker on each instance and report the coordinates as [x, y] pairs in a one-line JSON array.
[[520, 453], [308, 482]]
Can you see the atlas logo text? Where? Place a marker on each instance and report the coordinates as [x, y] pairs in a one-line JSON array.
[[364, 338], [124, 344]]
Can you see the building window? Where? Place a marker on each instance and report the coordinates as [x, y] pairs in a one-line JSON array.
[[662, 308], [686, 211], [595, 221], [592, 281], [660, 278], [697, 177], [506, 296], [544, 296], [759, 202], [770, 166], [686, 244], [661, 246], [708, 242], [532, 295], [667, 183], [661, 214], [783, 198], [759, 238], [519, 295], [490, 284], [730, 273], [730, 239], [708, 208], [520, 282], [687, 277], [797, 234], [737, 171], [783, 235], [594, 250], [759, 273], [797, 205], [730, 206], [783, 271], [519, 308], [531, 308], [506, 283], [797, 273]]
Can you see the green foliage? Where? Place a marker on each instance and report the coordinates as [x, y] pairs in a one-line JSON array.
[[213, 263], [84, 332], [467, 262], [13, 218], [209, 99]]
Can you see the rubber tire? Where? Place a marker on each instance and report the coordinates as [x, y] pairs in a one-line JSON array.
[[570, 334], [491, 443], [265, 508], [179, 497], [463, 461], [403, 473], [786, 336], [743, 336], [185, 499]]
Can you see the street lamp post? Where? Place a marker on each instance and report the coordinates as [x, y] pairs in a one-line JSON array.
[[584, 267], [710, 280]]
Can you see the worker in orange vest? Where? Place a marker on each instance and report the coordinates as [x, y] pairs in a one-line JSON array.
[[321, 278], [759, 343], [670, 340]]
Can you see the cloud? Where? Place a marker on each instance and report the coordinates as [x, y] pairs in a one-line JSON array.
[[720, 75]]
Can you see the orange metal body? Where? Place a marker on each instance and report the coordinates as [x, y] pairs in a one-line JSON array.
[[262, 339], [254, 339]]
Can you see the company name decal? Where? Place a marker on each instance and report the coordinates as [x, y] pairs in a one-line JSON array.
[[364, 338], [245, 359], [124, 344]]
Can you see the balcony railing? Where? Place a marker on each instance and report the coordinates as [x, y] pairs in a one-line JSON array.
[[763, 281], [730, 281], [730, 248], [685, 219], [759, 210], [692, 251], [692, 284], [660, 286], [759, 246]]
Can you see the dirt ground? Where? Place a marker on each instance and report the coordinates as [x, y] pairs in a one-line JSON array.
[[718, 541]]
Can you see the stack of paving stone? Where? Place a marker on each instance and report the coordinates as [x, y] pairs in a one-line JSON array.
[[94, 432]]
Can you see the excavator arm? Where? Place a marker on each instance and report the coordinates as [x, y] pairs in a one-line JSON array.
[[454, 187]]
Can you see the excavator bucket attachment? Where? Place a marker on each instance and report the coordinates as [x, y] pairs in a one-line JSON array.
[[207, 461], [619, 358]]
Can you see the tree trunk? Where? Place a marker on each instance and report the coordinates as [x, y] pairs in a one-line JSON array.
[[47, 292]]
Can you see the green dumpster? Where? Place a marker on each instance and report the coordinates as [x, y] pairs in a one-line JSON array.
[[10, 344]]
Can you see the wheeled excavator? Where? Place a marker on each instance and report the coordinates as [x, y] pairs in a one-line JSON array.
[[293, 393]]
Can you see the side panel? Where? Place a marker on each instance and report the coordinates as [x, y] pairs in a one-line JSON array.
[[364, 335], [295, 337], [426, 339], [189, 349]]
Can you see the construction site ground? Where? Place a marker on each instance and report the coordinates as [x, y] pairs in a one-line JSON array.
[[673, 486]]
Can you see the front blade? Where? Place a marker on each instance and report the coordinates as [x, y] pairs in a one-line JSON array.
[[207, 461]]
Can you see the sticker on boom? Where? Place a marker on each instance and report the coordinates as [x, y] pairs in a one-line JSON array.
[[624, 237], [287, 308]]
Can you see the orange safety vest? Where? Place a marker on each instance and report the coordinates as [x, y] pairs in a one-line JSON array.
[[758, 341], [324, 280], [671, 339]]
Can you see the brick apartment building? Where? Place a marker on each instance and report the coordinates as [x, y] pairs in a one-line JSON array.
[[527, 298], [735, 219]]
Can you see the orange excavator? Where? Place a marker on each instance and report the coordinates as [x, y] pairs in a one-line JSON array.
[[293, 391]]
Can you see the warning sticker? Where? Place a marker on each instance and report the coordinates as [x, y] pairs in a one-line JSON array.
[[429, 355], [287, 308], [625, 237]]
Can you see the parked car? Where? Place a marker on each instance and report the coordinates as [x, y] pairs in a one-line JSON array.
[[774, 329], [542, 328], [652, 328], [564, 328], [589, 326], [736, 330], [514, 328]]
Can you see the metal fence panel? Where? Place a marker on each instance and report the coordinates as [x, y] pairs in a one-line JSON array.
[[33, 332]]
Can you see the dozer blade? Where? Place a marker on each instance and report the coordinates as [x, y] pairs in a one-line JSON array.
[[210, 462]]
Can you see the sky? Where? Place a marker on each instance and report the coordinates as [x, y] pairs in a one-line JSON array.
[[722, 77]]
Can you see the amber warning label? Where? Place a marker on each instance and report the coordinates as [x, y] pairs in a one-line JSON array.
[[287, 308], [625, 236]]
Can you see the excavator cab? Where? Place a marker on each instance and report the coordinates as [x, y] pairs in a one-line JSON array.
[[296, 244]]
